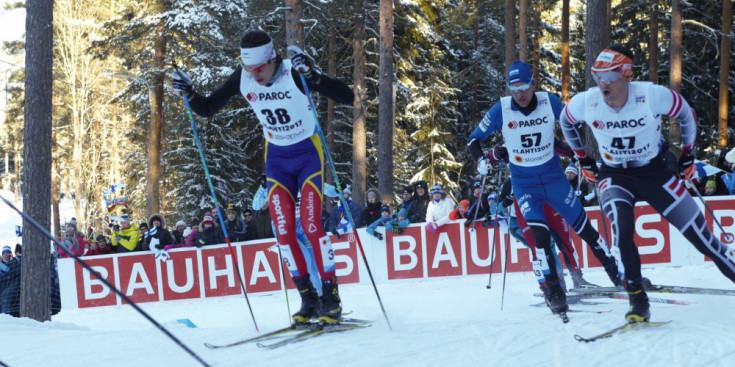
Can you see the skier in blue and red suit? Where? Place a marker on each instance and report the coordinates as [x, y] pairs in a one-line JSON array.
[[294, 156], [526, 120]]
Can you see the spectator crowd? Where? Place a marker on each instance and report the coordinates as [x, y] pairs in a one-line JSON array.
[[417, 204]]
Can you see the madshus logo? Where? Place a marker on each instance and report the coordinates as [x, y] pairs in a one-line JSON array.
[[526, 123], [270, 96]]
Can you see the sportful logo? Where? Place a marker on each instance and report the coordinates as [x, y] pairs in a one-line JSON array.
[[280, 217], [252, 97]]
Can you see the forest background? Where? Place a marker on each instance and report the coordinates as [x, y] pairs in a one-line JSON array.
[[116, 119]]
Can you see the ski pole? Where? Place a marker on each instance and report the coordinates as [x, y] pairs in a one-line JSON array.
[[216, 205], [338, 186], [505, 270], [477, 203], [728, 236], [492, 241], [285, 286], [109, 285]]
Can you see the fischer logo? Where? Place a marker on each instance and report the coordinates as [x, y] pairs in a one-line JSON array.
[[252, 97], [280, 218], [274, 96]]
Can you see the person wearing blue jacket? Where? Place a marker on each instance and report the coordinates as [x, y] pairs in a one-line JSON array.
[[526, 121]]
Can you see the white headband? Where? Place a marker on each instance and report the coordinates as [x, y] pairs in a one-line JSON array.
[[257, 55]]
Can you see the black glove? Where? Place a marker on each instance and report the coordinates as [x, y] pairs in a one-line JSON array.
[[500, 154], [686, 165], [264, 181], [589, 169], [334, 232], [116, 228], [160, 246], [378, 235], [508, 201], [182, 83], [468, 222], [305, 66]]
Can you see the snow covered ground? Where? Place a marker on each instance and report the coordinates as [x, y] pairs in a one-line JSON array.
[[438, 322]]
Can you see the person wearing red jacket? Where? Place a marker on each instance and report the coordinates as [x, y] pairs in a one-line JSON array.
[[100, 246], [72, 241]]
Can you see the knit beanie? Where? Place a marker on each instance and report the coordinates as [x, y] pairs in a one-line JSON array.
[[572, 168]]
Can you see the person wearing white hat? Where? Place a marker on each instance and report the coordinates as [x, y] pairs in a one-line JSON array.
[[294, 155], [439, 207], [581, 187]]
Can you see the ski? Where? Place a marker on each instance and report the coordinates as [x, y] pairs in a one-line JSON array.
[[271, 335], [621, 329], [312, 333], [285, 332], [589, 311], [572, 298], [663, 289]]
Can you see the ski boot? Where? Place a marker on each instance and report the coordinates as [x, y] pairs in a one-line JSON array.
[[580, 283], [330, 311], [309, 301], [555, 298], [639, 310]]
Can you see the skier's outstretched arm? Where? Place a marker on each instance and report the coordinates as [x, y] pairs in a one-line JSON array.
[[209, 105]]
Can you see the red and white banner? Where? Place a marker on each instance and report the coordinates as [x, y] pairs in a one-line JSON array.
[[452, 250]]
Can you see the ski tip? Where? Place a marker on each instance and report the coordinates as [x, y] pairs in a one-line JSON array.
[[579, 338]]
